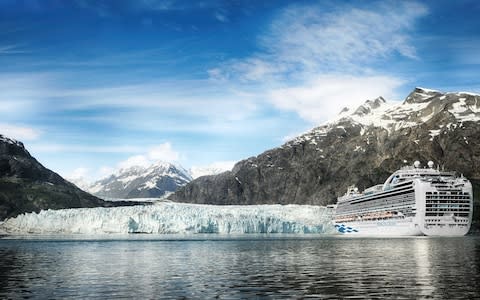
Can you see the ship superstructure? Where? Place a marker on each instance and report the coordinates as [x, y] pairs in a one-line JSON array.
[[412, 201]]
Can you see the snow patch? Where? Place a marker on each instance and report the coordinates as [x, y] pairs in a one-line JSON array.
[[151, 184], [467, 93], [434, 133]]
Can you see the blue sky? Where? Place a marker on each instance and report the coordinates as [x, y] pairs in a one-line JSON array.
[[92, 86]]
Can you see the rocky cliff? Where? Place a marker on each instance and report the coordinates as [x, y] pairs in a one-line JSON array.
[[26, 185], [361, 146]]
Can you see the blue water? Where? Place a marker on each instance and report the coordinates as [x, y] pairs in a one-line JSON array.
[[229, 267]]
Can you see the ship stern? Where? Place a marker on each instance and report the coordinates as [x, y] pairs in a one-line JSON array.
[[444, 207]]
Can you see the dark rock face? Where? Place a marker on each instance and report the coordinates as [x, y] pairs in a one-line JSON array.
[[27, 186], [362, 148]]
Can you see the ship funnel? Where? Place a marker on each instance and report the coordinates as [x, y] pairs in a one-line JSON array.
[[416, 164], [430, 164]]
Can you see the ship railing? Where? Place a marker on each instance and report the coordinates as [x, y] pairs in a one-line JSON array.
[[372, 216]]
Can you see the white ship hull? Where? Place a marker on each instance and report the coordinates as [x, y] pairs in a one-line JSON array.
[[404, 227], [429, 203], [401, 227]]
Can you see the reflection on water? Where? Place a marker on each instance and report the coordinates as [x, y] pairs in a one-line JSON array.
[[423, 269], [245, 267]]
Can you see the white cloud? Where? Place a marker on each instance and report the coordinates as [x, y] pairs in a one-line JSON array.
[[162, 152], [11, 49], [326, 95], [212, 169], [315, 62], [57, 148], [257, 68], [221, 16], [200, 101], [157, 4], [79, 173], [20, 93], [216, 74], [134, 161], [105, 171], [311, 39], [21, 133], [80, 177]]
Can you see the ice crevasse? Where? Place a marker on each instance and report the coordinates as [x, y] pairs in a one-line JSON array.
[[171, 217]]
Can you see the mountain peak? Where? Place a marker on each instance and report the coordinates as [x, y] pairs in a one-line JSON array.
[[421, 106], [142, 181], [369, 106], [421, 95], [9, 146], [8, 140]]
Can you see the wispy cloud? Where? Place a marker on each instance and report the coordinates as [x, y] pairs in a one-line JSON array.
[[465, 50], [79, 173], [221, 16], [311, 60], [19, 132], [20, 93], [113, 8], [346, 37], [11, 49], [305, 39], [163, 152], [199, 106], [158, 4], [81, 148]]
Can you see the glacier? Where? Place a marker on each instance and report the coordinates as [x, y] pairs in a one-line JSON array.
[[175, 218]]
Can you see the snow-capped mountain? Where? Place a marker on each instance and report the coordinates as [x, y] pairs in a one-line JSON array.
[[157, 180], [420, 107], [361, 146]]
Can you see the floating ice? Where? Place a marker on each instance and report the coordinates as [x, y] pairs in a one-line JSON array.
[[170, 217]]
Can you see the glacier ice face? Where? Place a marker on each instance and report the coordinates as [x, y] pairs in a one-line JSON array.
[[171, 218]]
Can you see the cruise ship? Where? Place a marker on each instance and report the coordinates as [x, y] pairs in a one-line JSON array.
[[414, 200]]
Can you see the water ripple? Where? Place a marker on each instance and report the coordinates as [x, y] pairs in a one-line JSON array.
[[230, 268]]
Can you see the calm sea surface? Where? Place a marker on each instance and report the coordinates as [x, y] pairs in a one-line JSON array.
[[229, 267]]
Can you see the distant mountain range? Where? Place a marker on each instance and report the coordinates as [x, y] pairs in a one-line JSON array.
[[157, 180], [361, 146]]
